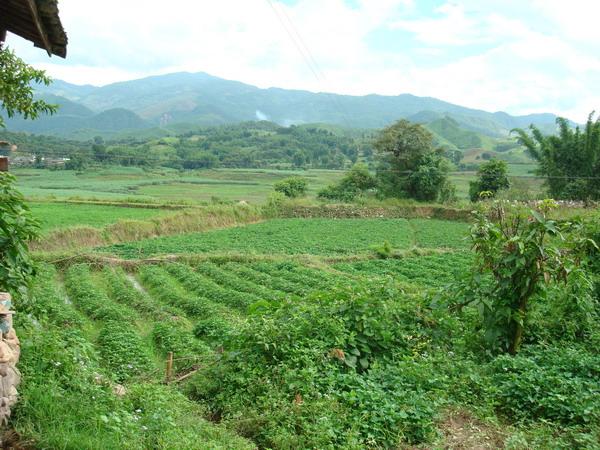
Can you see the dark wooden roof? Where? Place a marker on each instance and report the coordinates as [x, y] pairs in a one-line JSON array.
[[35, 20]]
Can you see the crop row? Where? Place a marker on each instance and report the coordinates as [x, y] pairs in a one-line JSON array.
[[430, 271], [171, 331], [227, 278], [213, 321], [120, 346], [48, 302], [122, 290], [68, 400], [86, 295], [255, 276], [167, 290], [304, 277], [205, 287]]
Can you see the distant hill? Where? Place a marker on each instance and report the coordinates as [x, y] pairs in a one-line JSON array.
[[75, 120], [189, 100]]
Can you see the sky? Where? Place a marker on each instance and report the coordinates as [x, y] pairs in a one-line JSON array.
[[518, 56]]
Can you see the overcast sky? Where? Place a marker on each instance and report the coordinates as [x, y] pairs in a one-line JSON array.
[[519, 56]]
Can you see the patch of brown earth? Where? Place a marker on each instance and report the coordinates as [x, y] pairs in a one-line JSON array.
[[462, 431]]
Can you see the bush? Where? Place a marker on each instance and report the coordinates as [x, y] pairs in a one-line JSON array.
[[292, 187], [332, 371], [357, 181], [560, 385], [426, 182], [492, 178], [17, 228]]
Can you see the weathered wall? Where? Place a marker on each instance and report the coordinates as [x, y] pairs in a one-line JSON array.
[[10, 351]]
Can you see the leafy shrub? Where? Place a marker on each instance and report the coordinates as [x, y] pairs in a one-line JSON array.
[[328, 372], [522, 251], [560, 385], [17, 228], [173, 336], [492, 178], [292, 187], [384, 251], [430, 177], [214, 329], [357, 181]]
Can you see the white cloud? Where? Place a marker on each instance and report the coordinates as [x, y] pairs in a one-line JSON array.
[[496, 55]]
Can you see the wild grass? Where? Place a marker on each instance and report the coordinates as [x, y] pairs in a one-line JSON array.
[[195, 220]]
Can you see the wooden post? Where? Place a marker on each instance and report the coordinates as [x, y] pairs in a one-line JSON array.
[[169, 367], [3, 164]]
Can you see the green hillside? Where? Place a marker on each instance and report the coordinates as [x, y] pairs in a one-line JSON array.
[[183, 101]]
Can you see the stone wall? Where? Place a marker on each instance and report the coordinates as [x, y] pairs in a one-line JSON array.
[[10, 351]]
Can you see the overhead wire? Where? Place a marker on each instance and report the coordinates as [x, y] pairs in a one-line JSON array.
[[300, 44]]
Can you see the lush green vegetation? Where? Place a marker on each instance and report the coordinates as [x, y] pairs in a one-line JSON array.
[[17, 228], [292, 347], [53, 216], [70, 397], [410, 166], [492, 177], [134, 184], [570, 160], [303, 236]]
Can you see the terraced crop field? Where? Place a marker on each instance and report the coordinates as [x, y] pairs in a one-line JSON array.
[[325, 237], [291, 333]]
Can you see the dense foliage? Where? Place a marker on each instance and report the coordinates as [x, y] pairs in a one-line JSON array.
[[409, 166], [331, 349], [292, 187], [331, 370], [16, 87], [522, 251], [357, 181], [248, 144], [570, 160], [17, 228], [492, 177]]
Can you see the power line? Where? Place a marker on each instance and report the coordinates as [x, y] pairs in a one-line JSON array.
[[309, 59]]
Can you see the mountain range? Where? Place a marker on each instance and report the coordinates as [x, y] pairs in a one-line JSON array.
[[185, 101]]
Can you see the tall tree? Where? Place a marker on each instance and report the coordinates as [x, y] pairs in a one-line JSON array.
[[409, 165], [570, 160]]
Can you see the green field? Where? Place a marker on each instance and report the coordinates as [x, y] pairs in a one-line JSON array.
[[328, 237], [285, 333], [162, 185], [62, 215], [281, 354]]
